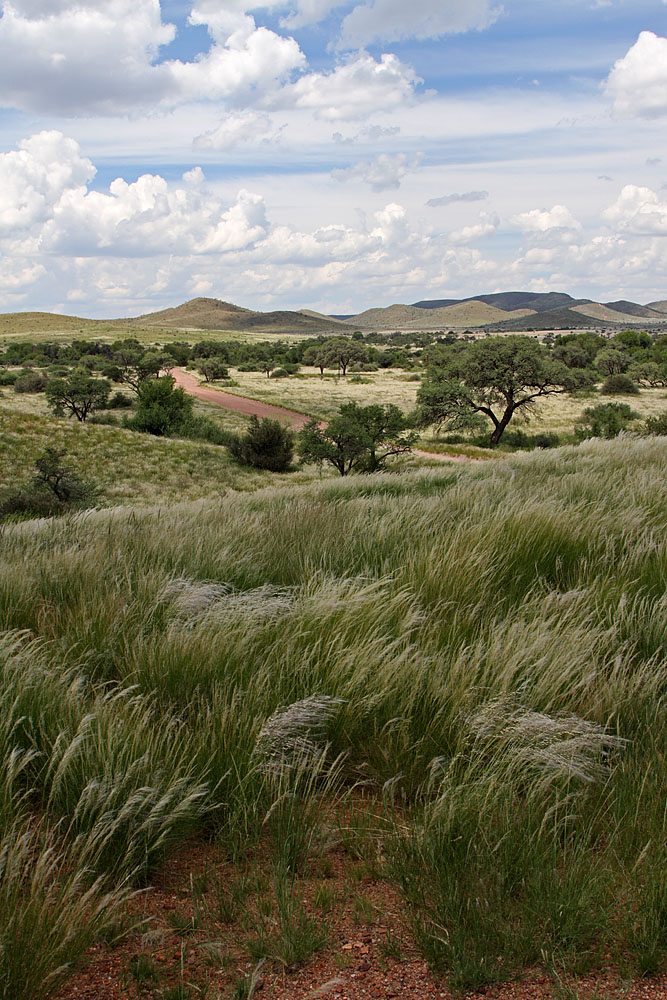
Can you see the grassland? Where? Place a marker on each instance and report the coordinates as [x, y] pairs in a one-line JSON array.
[[481, 649], [129, 468]]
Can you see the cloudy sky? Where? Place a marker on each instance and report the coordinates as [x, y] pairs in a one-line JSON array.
[[329, 154]]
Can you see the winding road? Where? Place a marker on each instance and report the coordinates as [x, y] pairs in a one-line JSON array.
[[240, 404], [253, 407]]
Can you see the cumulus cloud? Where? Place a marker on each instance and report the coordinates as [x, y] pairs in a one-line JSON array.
[[487, 226], [46, 206], [82, 56], [392, 20], [450, 199], [639, 210], [541, 220], [355, 89], [382, 173], [637, 84]]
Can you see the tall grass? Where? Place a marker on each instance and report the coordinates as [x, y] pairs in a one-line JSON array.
[[506, 621]]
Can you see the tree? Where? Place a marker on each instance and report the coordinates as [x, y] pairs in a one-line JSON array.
[[79, 395], [612, 361], [316, 355], [266, 445], [494, 378], [358, 437], [213, 368], [162, 408], [649, 373], [339, 352]]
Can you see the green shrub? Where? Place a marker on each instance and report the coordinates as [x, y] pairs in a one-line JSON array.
[[8, 378], [619, 385], [54, 488], [120, 401], [606, 420], [203, 429], [162, 409], [279, 373], [266, 445], [657, 425], [33, 382]]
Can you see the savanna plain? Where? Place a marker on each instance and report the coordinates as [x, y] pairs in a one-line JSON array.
[[299, 735]]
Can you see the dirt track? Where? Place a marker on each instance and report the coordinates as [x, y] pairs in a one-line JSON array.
[[250, 407], [239, 404]]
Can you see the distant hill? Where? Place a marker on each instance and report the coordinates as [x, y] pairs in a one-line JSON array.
[[44, 322], [633, 309], [213, 314], [511, 301], [470, 312]]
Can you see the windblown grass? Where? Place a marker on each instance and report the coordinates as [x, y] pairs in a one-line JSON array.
[[486, 642]]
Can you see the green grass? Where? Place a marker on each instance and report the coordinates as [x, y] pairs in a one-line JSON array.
[[482, 645], [130, 468]]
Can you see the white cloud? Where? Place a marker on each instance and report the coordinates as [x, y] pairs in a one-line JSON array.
[[45, 205], [639, 210], [356, 89], [487, 226], [391, 20], [382, 173], [245, 128], [637, 83], [543, 220]]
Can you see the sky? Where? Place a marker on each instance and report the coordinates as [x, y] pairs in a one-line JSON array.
[[329, 154]]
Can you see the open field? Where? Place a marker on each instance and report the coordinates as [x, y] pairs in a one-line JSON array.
[[445, 687]]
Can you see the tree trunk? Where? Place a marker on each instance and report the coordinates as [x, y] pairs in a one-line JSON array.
[[501, 425]]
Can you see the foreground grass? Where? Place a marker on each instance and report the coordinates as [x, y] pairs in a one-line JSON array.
[[483, 647]]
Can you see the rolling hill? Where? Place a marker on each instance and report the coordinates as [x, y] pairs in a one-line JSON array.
[[213, 314]]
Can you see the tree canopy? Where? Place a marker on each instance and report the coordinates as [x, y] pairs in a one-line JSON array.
[[79, 395], [493, 379], [359, 438]]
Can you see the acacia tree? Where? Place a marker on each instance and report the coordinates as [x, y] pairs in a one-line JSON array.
[[358, 437], [339, 352], [494, 378], [79, 395]]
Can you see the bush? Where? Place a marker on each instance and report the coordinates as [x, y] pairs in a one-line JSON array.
[[105, 419], [619, 385], [606, 420], [657, 425], [162, 409], [8, 378], [279, 373], [32, 382], [519, 439], [120, 401], [54, 489], [266, 445]]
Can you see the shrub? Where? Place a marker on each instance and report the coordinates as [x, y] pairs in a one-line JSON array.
[[519, 439], [657, 425], [606, 420], [162, 409], [279, 373], [120, 401], [619, 385], [32, 382], [54, 488], [8, 378], [266, 445]]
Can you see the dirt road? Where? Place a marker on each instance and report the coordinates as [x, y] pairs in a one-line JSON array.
[[241, 404], [237, 403]]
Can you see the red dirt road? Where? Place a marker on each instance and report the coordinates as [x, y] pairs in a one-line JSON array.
[[250, 407], [239, 404]]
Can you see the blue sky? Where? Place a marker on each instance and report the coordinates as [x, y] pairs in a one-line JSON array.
[[329, 155]]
